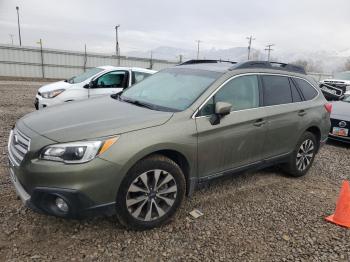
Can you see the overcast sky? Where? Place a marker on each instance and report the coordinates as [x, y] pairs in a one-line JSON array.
[[69, 24]]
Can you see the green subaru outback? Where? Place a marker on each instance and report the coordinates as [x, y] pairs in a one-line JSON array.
[[138, 153]]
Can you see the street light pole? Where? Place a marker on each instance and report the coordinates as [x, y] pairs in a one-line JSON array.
[[117, 50], [19, 27]]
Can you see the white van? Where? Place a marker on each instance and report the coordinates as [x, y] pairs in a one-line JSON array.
[[94, 82]]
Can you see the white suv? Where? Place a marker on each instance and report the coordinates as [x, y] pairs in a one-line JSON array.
[[94, 82]]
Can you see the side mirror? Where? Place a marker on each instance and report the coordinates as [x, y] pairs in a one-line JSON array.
[[221, 109], [91, 84]]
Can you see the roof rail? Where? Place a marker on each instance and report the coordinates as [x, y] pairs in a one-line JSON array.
[[206, 61], [273, 65]]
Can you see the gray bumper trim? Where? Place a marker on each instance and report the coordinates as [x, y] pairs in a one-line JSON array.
[[24, 196]]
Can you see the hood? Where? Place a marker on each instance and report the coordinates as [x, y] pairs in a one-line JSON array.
[[341, 110], [89, 119], [54, 86]]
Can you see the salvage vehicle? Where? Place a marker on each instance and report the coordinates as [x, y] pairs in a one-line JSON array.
[[334, 88], [340, 120], [94, 82], [138, 153]]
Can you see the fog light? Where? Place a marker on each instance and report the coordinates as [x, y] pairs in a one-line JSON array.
[[61, 205]]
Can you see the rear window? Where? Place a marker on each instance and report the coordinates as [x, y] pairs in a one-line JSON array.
[[308, 90], [276, 90]]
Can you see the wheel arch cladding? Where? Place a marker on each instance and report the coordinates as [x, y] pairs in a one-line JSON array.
[[317, 132]]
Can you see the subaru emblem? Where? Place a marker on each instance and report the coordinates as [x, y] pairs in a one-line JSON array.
[[342, 124]]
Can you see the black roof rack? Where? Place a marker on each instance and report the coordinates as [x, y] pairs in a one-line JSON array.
[[205, 61], [273, 65]]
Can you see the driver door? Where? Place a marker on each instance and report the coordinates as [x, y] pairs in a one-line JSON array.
[[237, 141], [109, 83]]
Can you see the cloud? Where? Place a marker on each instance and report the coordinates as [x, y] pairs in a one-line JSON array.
[[290, 24]]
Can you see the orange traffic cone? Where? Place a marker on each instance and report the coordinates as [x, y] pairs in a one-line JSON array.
[[342, 211]]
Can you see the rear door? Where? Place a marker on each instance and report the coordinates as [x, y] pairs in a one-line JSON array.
[[239, 137], [110, 83], [284, 108]]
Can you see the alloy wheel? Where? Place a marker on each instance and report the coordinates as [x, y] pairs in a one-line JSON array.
[[151, 195], [305, 154]]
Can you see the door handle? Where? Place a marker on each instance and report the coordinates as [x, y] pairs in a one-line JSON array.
[[259, 122], [302, 113]]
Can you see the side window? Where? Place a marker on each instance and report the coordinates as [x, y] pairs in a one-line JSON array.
[[241, 92], [295, 92], [276, 90], [115, 79], [308, 91], [138, 76]]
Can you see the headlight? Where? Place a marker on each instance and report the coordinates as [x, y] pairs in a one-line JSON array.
[[76, 152], [52, 94]]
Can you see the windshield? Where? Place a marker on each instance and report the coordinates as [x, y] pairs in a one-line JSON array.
[[87, 74], [342, 76], [174, 88]]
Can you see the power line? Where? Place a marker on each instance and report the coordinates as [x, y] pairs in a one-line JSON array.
[[250, 39], [268, 49]]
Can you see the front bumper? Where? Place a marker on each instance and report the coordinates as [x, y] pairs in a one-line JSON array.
[[42, 200], [41, 102]]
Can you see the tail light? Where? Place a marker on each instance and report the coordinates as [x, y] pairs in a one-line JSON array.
[[328, 107]]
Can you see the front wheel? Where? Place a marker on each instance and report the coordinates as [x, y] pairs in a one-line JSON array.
[[303, 155], [151, 193]]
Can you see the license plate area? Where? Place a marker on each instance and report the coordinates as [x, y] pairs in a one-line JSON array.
[[339, 131]]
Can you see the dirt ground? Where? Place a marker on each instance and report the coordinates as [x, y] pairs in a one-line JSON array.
[[258, 216]]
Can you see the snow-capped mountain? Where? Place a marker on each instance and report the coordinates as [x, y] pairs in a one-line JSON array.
[[318, 61]]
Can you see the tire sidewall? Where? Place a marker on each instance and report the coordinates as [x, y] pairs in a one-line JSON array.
[[294, 169]]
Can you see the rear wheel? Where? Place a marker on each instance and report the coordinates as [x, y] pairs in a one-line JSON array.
[[151, 193], [303, 155]]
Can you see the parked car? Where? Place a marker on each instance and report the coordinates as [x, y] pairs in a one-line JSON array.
[[94, 82], [138, 153], [340, 119], [340, 83]]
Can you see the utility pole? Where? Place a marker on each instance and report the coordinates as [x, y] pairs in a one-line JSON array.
[[11, 35], [151, 61], [180, 59], [250, 39], [42, 57], [19, 27], [85, 58], [117, 49], [198, 42], [268, 49]]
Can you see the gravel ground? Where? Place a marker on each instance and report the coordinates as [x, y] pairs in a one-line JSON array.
[[258, 216]]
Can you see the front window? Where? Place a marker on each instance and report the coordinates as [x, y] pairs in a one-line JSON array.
[[241, 92], [114, 79], [87, 74], [342, 76], [174, 88]]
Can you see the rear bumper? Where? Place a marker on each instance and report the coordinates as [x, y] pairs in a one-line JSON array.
[[339, 138]]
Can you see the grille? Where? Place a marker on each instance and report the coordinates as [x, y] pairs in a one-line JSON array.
[[18, 146]]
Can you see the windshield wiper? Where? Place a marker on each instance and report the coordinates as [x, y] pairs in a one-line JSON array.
[[137, 103]]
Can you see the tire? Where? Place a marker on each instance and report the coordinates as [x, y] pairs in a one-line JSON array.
[[303, 156], [142, 205]]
